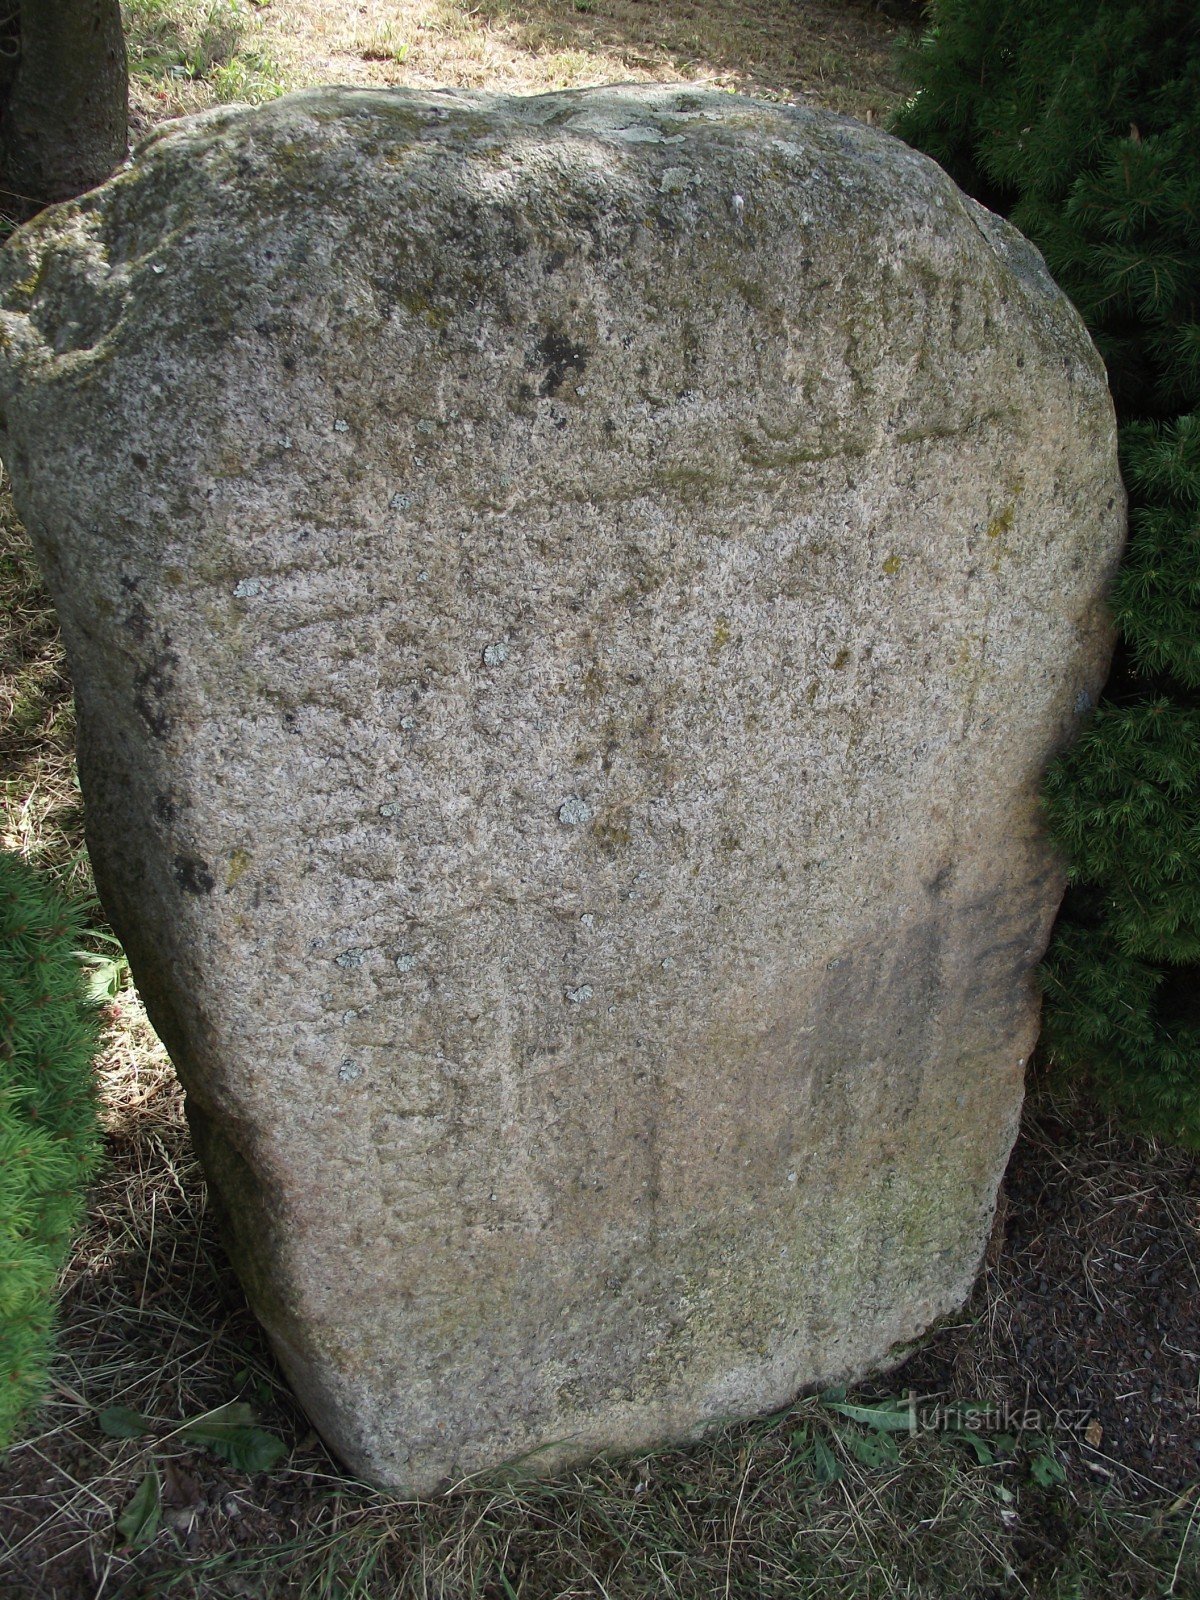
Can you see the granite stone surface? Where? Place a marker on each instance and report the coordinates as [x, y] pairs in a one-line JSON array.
[[570, 600]]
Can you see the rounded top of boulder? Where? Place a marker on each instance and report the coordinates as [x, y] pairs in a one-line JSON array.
[[230, 199]]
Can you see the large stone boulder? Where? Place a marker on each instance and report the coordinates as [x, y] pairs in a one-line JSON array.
[[570, 600]]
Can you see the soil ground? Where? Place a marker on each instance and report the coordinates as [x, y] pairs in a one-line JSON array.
[[1088, 1309]]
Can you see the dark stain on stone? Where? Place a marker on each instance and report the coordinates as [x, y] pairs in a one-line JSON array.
[[942, 879], [513, 227], [192, 875], [559, 355], [212, 330], [152, 685]]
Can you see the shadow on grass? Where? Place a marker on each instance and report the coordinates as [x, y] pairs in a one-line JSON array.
[[839, 52]]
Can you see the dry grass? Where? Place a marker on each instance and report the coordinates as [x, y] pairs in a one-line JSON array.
[[41, 813], [188, 53], [152, 1320], [1094, 1302], [834, 52]]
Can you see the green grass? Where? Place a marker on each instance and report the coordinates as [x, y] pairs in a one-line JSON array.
[[209, 42]]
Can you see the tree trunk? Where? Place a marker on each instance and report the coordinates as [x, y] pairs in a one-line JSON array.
[[64, 120]]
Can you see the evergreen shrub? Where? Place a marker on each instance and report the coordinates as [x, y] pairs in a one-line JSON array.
[[49, 1136], [1079, 120]]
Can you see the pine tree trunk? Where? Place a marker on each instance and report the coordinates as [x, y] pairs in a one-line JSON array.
[[64, 119]]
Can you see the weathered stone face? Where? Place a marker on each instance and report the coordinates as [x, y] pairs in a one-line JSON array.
[[570, 600]]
